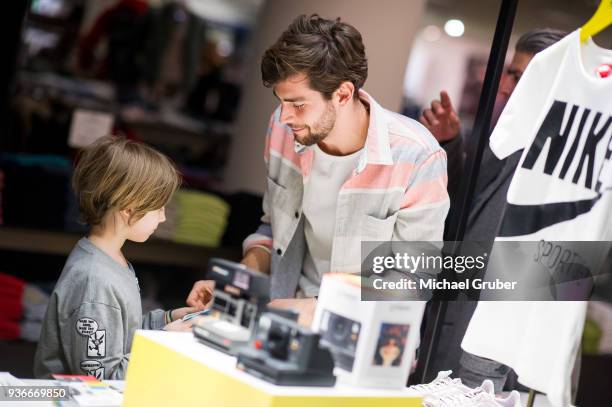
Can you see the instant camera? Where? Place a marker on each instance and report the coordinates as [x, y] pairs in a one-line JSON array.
[[286, 354], [240, 296]]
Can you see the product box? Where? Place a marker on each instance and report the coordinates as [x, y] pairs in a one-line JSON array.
[[373, 342]]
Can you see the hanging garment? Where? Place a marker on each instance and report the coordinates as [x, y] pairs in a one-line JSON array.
[[174, 46], [560, 116]]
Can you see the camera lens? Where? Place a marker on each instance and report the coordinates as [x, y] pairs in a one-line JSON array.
[[278, 341], [340, 330]]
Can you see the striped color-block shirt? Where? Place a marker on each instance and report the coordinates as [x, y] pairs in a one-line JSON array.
[[397, 192]]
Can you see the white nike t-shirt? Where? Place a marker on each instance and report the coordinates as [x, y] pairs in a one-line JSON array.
[[560, 116], [328, 174]]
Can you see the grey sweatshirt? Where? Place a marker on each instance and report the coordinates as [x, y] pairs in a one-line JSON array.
[[92, 315]]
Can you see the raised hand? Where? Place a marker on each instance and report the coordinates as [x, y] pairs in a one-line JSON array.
[[441, 119]]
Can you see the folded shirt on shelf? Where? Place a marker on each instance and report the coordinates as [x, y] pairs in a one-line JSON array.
[[195, 217], [23, 306]]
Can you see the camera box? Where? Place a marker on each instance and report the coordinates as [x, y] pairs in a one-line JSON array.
[[373, 342]]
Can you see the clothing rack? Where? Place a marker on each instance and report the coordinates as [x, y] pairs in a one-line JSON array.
[[480, 132]]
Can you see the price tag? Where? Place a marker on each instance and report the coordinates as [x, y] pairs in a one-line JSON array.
[[87, 126], [604, 70]]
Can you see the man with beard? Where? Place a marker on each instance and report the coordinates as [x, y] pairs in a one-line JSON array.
[[341, 169]]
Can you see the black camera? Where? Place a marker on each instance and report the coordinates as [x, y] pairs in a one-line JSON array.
[[284, 353], [240, 296]]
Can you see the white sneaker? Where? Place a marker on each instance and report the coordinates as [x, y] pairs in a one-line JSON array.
[[475, 399], [444, 391], [459, 395], [442, 382]]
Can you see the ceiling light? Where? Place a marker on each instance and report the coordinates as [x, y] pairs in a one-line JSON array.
[[454, 28]]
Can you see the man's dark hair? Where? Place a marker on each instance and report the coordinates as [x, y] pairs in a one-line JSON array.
[[328, 52], [537, 40]]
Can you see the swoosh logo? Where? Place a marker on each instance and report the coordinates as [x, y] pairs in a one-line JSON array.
[[526, 219]]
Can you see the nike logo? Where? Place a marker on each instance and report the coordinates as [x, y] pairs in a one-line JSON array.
[[580, 154], [526, 219]]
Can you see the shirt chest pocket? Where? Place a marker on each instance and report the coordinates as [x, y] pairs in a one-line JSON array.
[[277, 194], [378, 229], [284, 209]]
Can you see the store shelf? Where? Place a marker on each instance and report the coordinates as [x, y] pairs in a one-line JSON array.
[[154, 251]]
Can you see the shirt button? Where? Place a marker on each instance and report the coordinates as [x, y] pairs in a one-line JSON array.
[[279, 251], [297, 214]]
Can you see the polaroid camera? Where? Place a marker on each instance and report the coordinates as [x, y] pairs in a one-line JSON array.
[[286, 354], [240, 296]]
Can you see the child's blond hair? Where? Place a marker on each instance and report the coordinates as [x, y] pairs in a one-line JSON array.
[[115, 174]]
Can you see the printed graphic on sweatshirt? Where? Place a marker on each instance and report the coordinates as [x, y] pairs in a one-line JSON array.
[[96, 338], [578, 151], [93, 368], [86, 326], [96, 344]]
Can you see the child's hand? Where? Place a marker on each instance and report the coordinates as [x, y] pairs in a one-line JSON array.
[[179, 326], [181, 312], [201, 294]]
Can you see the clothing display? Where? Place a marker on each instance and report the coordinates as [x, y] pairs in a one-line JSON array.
[[23, 308], [560, 116], [563, 122], [11, 292], [173, 48], [195, 217], [91, 333], [396, 192], [444, 391], [122, 24]]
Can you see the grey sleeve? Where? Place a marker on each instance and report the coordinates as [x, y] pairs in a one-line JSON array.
[[153, 319], [95, 342]]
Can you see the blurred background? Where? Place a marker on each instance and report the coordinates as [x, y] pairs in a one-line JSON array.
[[183, 76]]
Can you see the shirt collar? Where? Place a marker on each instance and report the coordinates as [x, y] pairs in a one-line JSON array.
[[377, 149]]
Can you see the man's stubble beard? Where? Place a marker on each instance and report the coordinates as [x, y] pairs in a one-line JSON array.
[[321, 129]]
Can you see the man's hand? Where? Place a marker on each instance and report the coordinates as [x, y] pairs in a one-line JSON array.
[[441, 120], [201, 295], [257, 258], [179, 326], [304, 306]]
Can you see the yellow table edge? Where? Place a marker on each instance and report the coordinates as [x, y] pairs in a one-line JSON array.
[[152, 381]]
